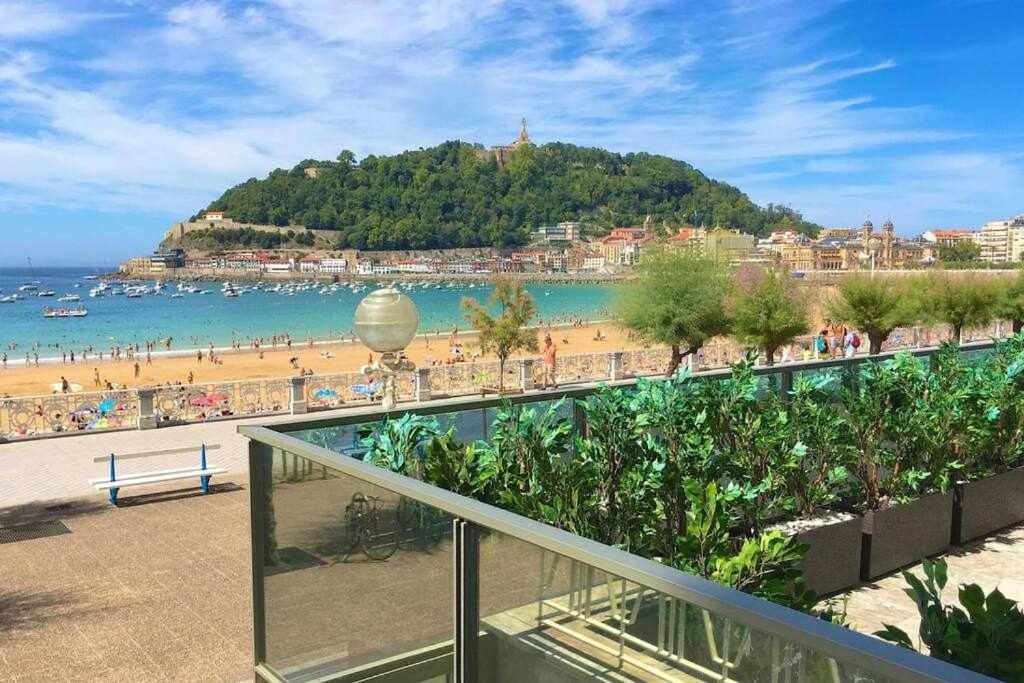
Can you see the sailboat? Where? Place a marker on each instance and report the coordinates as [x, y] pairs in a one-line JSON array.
[[32, 284]]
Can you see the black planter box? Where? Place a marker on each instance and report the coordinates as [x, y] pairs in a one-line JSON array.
[[904, 534], [832, 563], [987, 505]]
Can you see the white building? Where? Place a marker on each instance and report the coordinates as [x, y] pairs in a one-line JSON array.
[[412, 267], [364, 267], [279, 266], [1001, 241], [593, 262], [309, 265], [382, 269], [334, 266], [568, 231]]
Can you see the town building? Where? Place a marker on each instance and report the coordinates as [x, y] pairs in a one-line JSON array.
[[568, 231], [946, 237], [1002, 240], [334, 266], [310, 264], [622, 246]]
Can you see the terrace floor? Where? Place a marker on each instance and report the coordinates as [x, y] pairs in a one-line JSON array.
[[159, 589]]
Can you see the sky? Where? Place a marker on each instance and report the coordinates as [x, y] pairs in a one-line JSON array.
[[118, 117]]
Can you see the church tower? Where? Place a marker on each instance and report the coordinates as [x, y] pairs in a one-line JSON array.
[[888, 237], [865, 232]]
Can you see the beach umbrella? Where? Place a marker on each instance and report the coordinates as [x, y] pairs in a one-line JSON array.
[[107, 405], [366, 389], [211, 399], [325, 393]]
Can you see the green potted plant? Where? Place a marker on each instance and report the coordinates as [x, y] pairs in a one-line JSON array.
[[815, 475], [990, 493], [907, 504]]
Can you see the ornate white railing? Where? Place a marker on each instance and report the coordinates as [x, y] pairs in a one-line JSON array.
[[152, 407]]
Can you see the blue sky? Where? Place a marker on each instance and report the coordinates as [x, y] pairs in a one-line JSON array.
[[118, 117]]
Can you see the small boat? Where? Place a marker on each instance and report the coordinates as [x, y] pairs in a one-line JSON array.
[[177, 295], [91, 277], [9, 299], [231, 294], [79, 312], [69, 297], [27, 287], [48, 292]]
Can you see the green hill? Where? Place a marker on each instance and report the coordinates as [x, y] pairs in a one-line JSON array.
[[446, 196]]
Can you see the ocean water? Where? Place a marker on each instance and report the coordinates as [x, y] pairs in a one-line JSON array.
[[197, 320]]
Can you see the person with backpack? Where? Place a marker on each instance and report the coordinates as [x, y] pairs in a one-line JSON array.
[[821, 345], [854, 344]]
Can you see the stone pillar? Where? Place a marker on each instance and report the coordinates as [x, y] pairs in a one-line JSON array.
[[422, 384], [147, 418], [615, 366], [298, 395], [526, 374]]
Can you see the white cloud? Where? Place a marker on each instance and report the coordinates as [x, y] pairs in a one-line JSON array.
[[213, 92], [22, 19]]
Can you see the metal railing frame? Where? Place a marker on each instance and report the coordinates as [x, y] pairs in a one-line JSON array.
[[802, 630]]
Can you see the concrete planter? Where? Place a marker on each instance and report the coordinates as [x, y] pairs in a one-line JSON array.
[[987, 505], [832, 563], [904, 534]]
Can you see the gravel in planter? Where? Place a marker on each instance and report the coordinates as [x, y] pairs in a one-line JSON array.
[[988, 505], [832, 562], [905, 533]]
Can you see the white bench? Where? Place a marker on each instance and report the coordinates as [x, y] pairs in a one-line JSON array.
[[112, 482]]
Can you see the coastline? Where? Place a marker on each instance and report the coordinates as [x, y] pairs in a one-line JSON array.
[[244, 276], [270, 362]]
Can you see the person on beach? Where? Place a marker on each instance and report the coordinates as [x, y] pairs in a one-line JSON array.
[[96, 377], [65, 387], [136, 370], [5, 361], [191, 377], [199, 357], [550, 358]]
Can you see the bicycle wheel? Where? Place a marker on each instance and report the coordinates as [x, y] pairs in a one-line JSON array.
[[405, 519], [378, 540], [349, 538]]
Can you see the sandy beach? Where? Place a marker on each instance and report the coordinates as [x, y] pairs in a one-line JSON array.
[[247, 364]]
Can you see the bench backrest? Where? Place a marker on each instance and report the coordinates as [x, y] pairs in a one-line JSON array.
[[148, 454]]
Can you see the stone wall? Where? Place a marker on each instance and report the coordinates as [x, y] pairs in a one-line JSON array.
[[177, 231]]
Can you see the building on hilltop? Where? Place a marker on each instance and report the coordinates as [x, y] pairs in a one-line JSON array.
[[503, 153], [567, 231]]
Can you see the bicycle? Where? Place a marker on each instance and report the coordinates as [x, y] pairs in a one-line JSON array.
[[420, 525], [366, 529]]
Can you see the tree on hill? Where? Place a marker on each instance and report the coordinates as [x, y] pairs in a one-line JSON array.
[[677, 299], [446, 196]]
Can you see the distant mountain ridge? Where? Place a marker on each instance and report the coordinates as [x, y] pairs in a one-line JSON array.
[[461, 195]]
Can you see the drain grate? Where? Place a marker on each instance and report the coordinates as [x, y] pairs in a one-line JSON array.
[[26, 532]]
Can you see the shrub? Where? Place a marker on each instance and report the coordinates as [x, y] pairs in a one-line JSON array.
[[986, 636]]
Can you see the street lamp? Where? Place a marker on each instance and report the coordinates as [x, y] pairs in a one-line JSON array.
[[386, 321]]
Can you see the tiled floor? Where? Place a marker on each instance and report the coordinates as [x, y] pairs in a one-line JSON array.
[[995, 561], [156, 590]]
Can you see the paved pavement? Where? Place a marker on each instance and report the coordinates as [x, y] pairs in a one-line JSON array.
[[991, 562]]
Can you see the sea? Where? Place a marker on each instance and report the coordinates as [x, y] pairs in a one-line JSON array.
[[197, 320]]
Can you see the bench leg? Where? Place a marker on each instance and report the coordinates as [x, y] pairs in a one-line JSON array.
[[204, 483], [112, 496]]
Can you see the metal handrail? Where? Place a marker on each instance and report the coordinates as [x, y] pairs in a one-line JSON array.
[[798, 628], [373, 413]]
